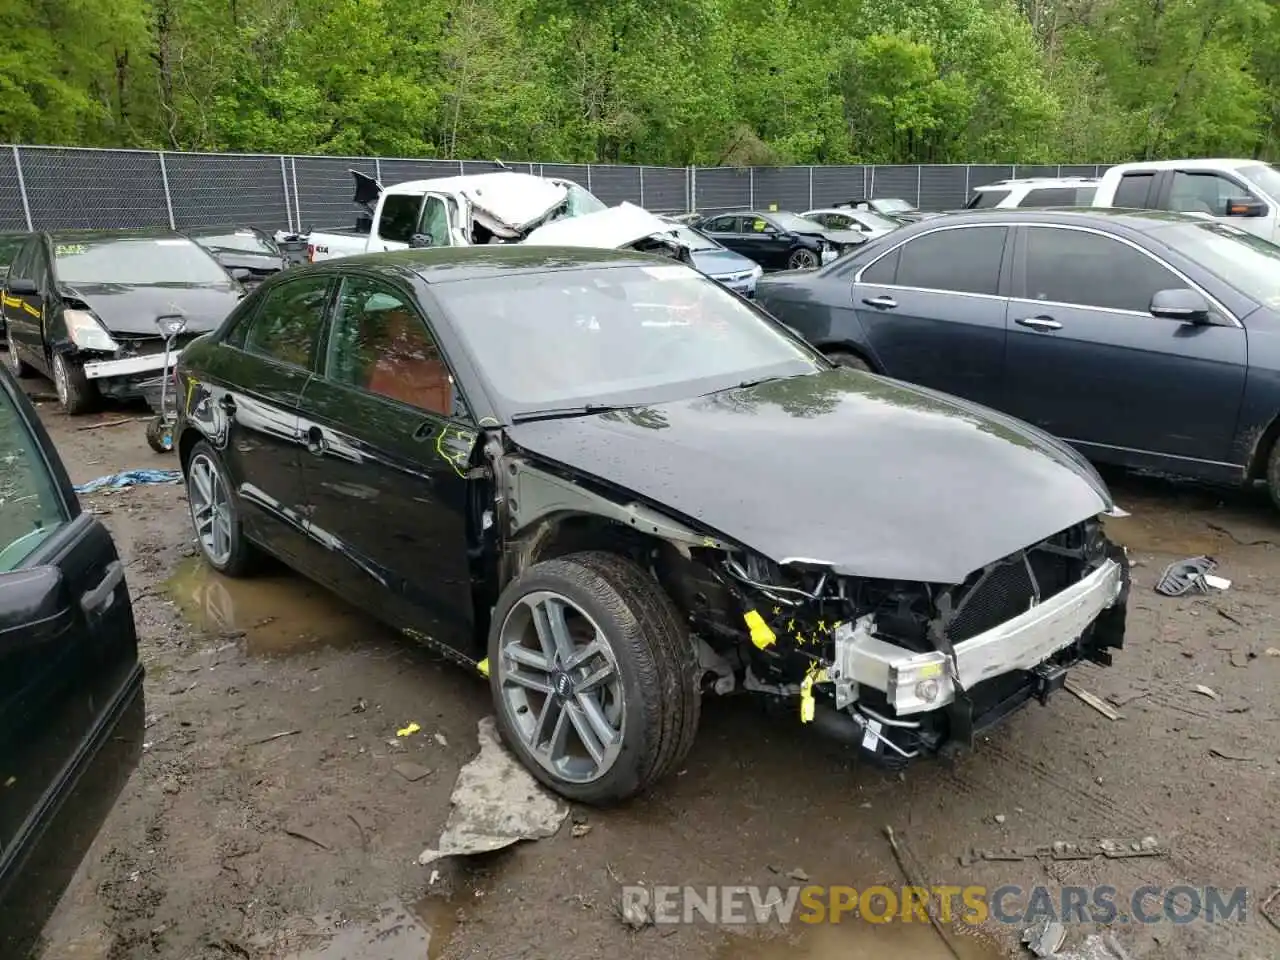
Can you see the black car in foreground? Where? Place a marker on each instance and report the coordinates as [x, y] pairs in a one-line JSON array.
[[252, 254], [1144, 339], [779, 241], [71, 701], [82, 307], [611, 485]]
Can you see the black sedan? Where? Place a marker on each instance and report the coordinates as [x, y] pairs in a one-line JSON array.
[[779, 241], [576, 471], [252, 252], [71, 699], [84, 307], [1145, 339]]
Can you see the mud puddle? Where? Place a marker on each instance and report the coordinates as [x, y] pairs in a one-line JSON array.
[[279, 614], [398, 932], [856, 940]]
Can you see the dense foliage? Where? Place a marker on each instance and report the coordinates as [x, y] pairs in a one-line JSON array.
[[654, 81]]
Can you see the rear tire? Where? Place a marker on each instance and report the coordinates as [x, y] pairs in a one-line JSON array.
[[17, 366], [215, 515], [648, 697], [75, 391], [803, 259], [1273, 473], [842, 358]]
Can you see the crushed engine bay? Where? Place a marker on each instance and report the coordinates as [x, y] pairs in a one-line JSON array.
[[906, 668]]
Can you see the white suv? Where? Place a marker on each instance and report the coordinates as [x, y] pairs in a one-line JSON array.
[[1035, 192]]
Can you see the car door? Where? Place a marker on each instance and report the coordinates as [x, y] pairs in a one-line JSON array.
[[248, 403], [389, 444], [764, 242], [23, 302], [933, 309], [727, 231], [1088, 362], [71, 701]]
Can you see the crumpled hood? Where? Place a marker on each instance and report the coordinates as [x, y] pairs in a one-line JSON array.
[[615, 227], [874, 476], [508, 203], [132, 309]]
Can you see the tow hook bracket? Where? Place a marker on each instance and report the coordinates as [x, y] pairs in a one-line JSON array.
[[1049, 678]]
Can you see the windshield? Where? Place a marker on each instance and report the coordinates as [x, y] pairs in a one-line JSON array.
[[136, 260], [239, 241], [1248, 263], [892, 205], [692, 239], [582, 201], [789, 221], [1263, 176], [617, 335]]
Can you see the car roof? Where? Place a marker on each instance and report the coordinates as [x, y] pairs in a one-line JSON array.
[[473, 181], [449, 264], [1138, 220], [1039, 182], [1199, 163]]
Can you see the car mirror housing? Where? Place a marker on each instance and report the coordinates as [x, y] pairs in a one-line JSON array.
[[1246, 207], [1181, 304]]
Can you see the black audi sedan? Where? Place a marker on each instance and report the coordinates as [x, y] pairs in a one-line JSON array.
[[71, 698], [85, 307], [779, 240], [610, 485], [1144, 339]]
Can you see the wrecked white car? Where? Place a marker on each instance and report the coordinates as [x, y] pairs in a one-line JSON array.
[[504, 206]]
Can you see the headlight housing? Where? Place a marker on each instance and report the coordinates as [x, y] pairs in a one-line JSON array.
[[86, 332]]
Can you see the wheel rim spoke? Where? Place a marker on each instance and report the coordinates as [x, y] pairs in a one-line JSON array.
[[210, 510], [586, 734]]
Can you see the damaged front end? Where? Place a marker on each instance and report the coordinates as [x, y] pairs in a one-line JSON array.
[[902, 669]]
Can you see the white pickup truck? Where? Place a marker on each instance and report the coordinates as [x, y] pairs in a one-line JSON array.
[[1244, 193], [499, 207]]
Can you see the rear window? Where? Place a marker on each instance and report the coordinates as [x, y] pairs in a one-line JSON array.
[[136, 260], [1132, 190], [982, 199], [1059, 197]]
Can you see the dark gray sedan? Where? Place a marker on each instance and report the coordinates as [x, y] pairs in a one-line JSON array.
[[1144, 339]]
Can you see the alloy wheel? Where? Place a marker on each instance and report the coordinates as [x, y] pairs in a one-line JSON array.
[[11, 354], [210, 509], [60, 378], [559, 683], [804, 260]]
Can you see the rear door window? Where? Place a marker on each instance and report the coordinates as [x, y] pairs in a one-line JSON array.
[[287, 325], [721, 225], [1134, 190], [964, 260]]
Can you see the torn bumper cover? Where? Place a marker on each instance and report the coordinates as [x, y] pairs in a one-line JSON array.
[[129, 366]]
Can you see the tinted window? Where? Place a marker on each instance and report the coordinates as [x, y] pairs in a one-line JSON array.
[[965, 260], [399, 220], [883, 270], [1050, 197], [986, 198], [640, 334], [380, 344], [1203, 193], [30, 508], [1070, 266], [138, 260], [288, 323], [721, 225], [1132, 190], [22, 263]]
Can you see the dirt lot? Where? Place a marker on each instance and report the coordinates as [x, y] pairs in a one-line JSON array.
[[228, 844]]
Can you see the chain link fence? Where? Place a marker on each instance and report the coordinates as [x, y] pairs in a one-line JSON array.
[[59, 188]]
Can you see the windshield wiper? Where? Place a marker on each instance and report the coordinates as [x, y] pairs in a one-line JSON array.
[[565, 413]]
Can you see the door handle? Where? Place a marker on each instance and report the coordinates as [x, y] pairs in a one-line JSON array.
[[881, 302], [1039, 323], [98, 600], [316, 443]]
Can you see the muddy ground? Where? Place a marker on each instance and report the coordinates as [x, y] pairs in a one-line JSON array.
[[228, 844]]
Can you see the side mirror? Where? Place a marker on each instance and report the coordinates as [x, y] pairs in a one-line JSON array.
[[1246, 207], [22, 288], [241, 273], [1182, 304], [420, 241]]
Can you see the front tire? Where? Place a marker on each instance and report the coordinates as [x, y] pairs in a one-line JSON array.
[[1273, 474], [842, 358], [594, 679], [215, 514], [75, 392]]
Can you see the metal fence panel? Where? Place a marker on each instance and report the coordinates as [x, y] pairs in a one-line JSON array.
[[12, 214], [579, 173], [324, 188], [723, 188], [1036, 170], [787, 188], [838, 184], [898, 180], [942, 187], [980, 174], [210, 189], [614, 184], [402, 171], [1078, 170], [87, 189], [666, 189]]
